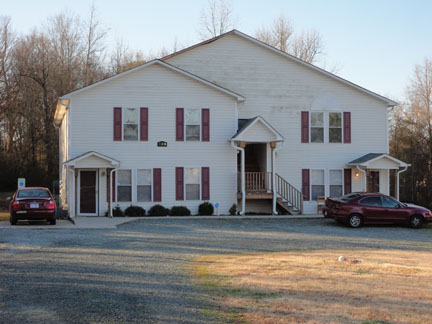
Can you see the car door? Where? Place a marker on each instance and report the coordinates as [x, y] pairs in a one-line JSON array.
[[372, 209], [394, 211]]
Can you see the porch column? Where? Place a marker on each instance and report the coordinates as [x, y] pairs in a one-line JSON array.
[[397, 181], [273, 157], [242, 170]]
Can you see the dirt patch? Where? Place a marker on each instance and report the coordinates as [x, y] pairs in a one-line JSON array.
[[4, 216], [333, 286]]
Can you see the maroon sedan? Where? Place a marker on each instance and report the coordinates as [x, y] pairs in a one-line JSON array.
[[33, 203], [356, 209]]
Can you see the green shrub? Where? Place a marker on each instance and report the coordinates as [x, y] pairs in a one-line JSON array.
[[158, 210], [206, 208], [233, 210], [135, 211], [180, 211], [117, 212]]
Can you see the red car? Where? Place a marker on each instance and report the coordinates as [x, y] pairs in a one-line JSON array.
[[32, 203], [356, 209]]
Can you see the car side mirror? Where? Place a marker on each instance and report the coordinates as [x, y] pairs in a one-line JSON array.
[[9, 198]]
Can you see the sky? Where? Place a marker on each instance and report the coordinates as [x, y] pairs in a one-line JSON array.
[[373, 43]]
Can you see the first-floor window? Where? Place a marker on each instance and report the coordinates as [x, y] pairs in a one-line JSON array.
[[192, 182], [144, 185], [317, 182], [335, 183], [124, 185]]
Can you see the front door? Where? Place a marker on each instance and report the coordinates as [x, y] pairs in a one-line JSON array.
[[87, 192], [373, 181]]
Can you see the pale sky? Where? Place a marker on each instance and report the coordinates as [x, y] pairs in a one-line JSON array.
[[375, 42]]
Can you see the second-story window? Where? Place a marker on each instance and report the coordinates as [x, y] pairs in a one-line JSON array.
[[193, 124], [130, 124], [335, 127], [317, 127]]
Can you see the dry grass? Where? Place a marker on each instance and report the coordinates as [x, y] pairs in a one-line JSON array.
[[4, 216], [376, 286]]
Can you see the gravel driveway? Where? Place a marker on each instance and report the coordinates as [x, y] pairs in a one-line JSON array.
[[138, 272]]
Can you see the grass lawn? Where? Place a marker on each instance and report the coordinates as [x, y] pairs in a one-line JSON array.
[[4, 216], [368, 286]]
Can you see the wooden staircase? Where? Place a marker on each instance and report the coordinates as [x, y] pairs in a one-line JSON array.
[[258, 185]]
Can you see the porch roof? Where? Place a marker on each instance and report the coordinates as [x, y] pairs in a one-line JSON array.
[[257, 130], [92, 159], [378, 161]]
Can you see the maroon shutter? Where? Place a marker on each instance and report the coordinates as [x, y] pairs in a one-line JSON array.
[[347, 181], [205, 120], [179, 124], [113, 186], [347, 127], [144, 124], [179, 183], [205, 183], [305, 127], [305, 184], [117, 123], [157, 185]]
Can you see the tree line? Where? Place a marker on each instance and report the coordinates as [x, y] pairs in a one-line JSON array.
[[69, 52]]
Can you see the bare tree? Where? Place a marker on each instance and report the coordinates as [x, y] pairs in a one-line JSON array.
[[95, 47], [307, 46], [216, 19]]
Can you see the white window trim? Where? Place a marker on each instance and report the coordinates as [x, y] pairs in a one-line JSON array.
[[199, 183], [325, 182], [326, 126], [343, 180], [137, 184], [200, 124], [132, 184], [123, 123]]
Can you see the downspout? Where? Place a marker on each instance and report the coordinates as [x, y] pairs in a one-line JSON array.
[[71, 195], [397, 181], [243, 190], [111, 193], [364, 177], [274, 179]]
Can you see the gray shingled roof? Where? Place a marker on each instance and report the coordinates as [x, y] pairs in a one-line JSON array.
[[366, 158], [250, 121]]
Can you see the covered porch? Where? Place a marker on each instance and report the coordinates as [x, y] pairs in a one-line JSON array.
[[377, 172], [258, 142], [89, 184]]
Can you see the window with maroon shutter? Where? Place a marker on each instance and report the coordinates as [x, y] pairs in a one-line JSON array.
[[305, 184], [347, 181], [205, 120], [179, 124], [113, 187], [157, 185], [347, 127], [305, 127], [179, 183], [144, 124], [205, 178], [117, 124]]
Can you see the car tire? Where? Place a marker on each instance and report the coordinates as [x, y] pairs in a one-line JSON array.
[[355, 220], [53, 221], [13, 220], [416, 221]]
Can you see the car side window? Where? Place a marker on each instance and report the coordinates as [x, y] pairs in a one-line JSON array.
[[389, 202], [371, 201]]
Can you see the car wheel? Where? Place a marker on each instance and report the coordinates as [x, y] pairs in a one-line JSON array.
[[53, 221], [13, 220], [416, 221], [355, 220]]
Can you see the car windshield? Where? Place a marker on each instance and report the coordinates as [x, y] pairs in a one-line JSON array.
[[350, 196], [33, 193]]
